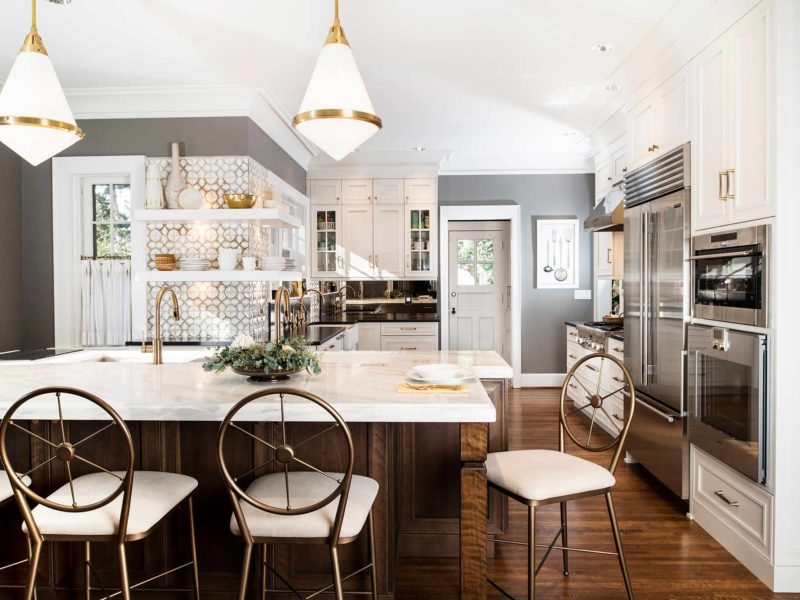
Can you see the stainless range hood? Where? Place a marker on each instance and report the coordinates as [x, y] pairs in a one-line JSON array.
[[609, 215]]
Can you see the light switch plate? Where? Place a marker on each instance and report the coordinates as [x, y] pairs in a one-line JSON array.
[[583, 294]]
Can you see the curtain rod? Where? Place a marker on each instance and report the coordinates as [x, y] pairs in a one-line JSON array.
[[105, 257]]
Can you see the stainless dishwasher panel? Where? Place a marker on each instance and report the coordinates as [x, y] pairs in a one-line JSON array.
[[656, 440]]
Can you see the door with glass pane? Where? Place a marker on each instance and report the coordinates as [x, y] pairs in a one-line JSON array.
[[421, 241], [479, 302], [107, 216], [326, 258]]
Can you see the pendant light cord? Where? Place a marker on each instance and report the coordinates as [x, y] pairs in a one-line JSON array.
[[33, 15]]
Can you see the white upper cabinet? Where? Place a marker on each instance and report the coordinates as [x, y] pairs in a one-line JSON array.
[[357, 191], [388, 220], [327, 259], [359, 255], [387, 191], [619, 164], [603, 178], [421, 241], [325, 191], [732, 146], [420, 191], [660, 122]]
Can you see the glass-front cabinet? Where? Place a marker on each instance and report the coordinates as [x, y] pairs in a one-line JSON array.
[[421, 241], [327, 257]]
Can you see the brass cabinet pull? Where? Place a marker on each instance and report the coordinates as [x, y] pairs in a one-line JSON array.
[[732, 503], [375, 259], [592, 368], [573, 386], [610, 179], [408, 329], [617, 417], [573, 356], [608, 256], [618, 379], [408, 348], [729, 195], [721, 175], [618, 349], [572, 333], [655, 147]]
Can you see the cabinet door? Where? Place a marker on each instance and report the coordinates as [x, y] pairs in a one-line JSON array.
[[711, 207], [603, 254], [388, 240], [420, 243], [358, 241], [325, 191], [369, 336], [387, 191], [357, 191], [326, 251], [420, 191], [619, 164], [602, 179], [749, 193], [674, 124], [642, 121]]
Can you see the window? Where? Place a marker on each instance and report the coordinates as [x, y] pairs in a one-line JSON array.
[[108, 217], [476, 262]]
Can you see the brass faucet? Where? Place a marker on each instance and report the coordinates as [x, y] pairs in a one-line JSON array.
[[158, 345], [301, 310], [340, 304], [281, 295]]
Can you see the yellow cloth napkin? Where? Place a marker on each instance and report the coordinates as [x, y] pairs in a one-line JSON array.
[[406, 388]]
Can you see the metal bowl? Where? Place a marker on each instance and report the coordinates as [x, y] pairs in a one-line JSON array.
[[260, 376], [239, 200]]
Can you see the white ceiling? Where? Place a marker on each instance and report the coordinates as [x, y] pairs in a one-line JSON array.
[[486, 82]]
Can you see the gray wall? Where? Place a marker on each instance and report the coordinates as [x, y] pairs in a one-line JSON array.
[[10, 251], [218, 136], [539, 196]]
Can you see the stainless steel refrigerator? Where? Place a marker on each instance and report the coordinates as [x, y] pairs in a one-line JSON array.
[[656, 285]]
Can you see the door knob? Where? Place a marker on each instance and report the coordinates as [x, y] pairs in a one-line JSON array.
[[453, 310]]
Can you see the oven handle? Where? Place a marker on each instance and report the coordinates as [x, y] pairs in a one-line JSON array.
[[724, 255]]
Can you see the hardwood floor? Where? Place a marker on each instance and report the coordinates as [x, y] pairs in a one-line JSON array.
[[668, 555]]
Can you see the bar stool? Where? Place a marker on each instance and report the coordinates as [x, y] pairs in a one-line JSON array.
[[541, 477], [118, 506], [297, 507]]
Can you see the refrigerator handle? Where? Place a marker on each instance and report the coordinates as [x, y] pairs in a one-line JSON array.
[[645, 295]]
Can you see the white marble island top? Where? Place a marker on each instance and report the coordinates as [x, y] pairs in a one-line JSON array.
[[362, 386]]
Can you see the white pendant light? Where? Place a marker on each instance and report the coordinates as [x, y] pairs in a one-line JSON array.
[[35, 119], [336, 113]]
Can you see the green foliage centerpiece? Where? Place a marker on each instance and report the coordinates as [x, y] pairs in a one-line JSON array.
[[264, 362]]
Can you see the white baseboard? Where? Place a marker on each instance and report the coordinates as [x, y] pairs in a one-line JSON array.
[[541, 379]]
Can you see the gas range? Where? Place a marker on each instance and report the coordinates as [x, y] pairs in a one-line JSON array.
[[592, 335]]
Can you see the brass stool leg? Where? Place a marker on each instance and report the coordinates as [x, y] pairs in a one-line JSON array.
[[373, 570], [34, 552], [564, 536], [87, 571], [264, 557], [195, 569], [337, 577], [618, 543], [248, 552], [125, 586], [531, 553]]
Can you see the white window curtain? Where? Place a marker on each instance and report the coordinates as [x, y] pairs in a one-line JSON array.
[[105, 302]]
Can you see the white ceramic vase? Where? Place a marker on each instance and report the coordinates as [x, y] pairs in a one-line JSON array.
[[175, 182], [153, 189]]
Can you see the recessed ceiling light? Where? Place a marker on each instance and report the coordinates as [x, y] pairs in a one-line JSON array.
[[419, 148], [603, 47], [612, 87]]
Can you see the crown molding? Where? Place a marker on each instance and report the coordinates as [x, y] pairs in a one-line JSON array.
[[155, 102], [516, 165]]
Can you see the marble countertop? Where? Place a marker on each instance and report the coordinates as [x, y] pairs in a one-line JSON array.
[[362, 386]]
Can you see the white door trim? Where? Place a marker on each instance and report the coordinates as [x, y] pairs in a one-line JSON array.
[[68, 220], [485, 212]]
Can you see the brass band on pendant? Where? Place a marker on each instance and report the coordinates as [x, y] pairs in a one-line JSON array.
[[46, 123], [337, 113]]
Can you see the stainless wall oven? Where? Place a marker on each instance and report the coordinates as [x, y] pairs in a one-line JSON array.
[[729, 277], [727, 392]]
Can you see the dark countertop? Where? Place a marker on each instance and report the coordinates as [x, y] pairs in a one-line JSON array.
[[316, 336], [354, 316], [614, 335]]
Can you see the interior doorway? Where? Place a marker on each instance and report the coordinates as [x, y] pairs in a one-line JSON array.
[[479, 275]]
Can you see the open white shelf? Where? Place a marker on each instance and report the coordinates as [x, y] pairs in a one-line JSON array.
[[217, 275], [272, 217]]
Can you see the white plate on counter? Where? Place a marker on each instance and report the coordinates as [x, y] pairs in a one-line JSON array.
[[440, 374]]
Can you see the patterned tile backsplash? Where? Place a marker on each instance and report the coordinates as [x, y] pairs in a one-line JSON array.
[[212, 311]]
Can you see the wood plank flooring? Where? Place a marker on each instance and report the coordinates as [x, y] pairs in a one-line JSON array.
[[668, 555]]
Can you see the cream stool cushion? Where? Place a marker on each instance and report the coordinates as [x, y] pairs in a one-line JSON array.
[[153, 496], [5, 486], [545, 474], [306, 488]]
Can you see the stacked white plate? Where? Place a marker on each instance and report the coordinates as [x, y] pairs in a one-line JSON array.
[[440, 374], [273, 263], [290, 264], [194, 263]]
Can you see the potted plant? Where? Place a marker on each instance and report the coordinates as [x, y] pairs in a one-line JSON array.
[[264, 362]]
